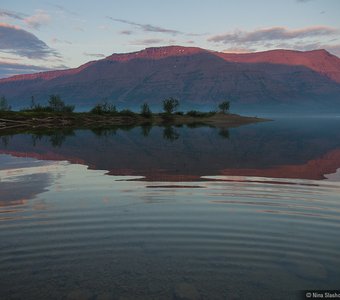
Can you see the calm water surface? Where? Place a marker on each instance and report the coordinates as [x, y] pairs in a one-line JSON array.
[[171, 212]]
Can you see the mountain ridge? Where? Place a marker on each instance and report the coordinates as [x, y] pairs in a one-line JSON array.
[[281, 56], [194, 75]]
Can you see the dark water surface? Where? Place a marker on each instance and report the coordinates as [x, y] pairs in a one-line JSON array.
[[187, 213]]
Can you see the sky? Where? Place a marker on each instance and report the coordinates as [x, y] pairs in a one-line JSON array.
[[39, 35]]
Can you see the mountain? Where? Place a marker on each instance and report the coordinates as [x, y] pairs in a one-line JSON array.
[[276, 81]]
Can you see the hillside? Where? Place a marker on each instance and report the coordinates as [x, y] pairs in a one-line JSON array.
[[274, 81]]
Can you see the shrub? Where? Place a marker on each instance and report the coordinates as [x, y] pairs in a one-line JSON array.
[[127, 113], [55, 104], [104, 108], [199, 114]]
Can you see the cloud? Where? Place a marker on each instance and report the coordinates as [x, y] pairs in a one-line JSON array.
[[126, 32], [98, 55], [104, 27], [9, 58], [153, 28], [9, 69], [147, 42], [332, 48], [238, 50], [38, 19], [271, 34], [23, 43], [79, 28], [12, 14], [35, 21], [148, 27], [63, 9], [58, 41], [304, 39]]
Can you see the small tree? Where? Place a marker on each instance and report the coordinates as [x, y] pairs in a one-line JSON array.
[[170, 105], [224, 107], [33, 104], [55, 103], [4, 106], [145, 110]]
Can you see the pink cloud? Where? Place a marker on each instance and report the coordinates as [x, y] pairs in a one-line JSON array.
[[38, 19]]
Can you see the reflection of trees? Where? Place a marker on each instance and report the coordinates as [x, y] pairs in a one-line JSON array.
[[169, 133], [5, 140], [196, 125], [146, 128], [127, 127], [56, 137], [109, 131], [224, 133], [104, 132], [35, 138]]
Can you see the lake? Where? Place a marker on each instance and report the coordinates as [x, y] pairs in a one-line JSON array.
[[171, 212]]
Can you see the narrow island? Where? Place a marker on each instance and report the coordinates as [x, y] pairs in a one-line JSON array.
[[59, 115]]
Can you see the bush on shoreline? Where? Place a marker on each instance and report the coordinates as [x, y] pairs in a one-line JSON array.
[[55, 104], [200, 114], [170, 105], [104, 108]]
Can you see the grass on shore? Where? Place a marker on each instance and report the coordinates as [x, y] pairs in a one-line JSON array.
[[15, 119]]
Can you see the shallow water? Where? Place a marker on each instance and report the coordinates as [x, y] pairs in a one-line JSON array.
[[252, 212]]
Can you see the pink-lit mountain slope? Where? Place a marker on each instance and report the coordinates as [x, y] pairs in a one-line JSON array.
[[273, 80]]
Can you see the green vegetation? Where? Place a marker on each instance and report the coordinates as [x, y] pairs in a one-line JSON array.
[[4, 106], [127, 113], [105, 115], [104, 108], [199, 114], [55, 104]]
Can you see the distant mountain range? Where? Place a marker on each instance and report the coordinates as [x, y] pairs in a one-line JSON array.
[[270, 81]]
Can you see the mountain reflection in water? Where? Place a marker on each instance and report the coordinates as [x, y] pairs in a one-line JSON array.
[[243, 216], [284, 149]]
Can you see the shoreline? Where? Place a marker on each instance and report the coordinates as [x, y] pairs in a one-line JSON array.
[[39, 120]]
